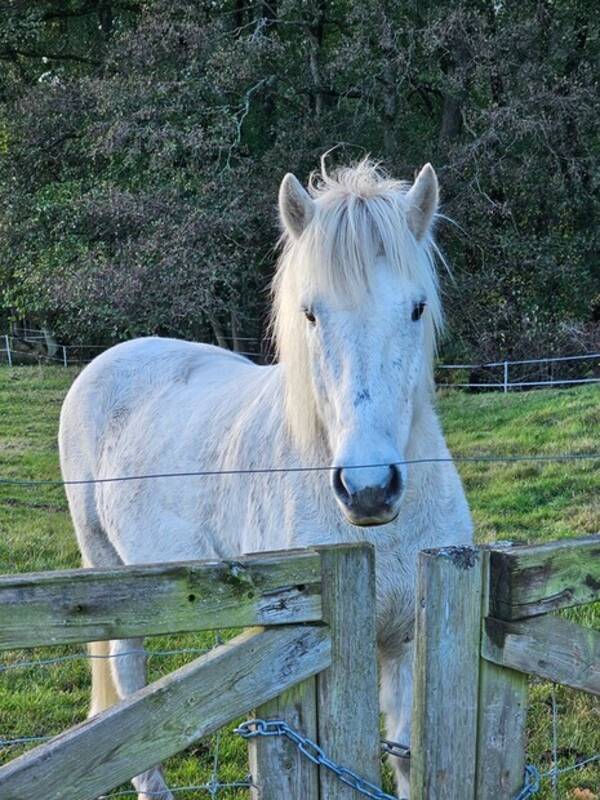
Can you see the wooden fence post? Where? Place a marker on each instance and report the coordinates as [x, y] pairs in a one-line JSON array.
[[278, 770], [446, 674], [502, 720], [348, 703]]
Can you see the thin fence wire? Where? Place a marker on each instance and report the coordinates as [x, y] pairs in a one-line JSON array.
[[518, 384], [579, 765], [62, 350], [542, 360], [70, 361], [25, 332], [212, 787], [534, 776], [23, 740], [48, 662], [36, 334], [529, 373], [83, 655], [531, 380], [477, 459]]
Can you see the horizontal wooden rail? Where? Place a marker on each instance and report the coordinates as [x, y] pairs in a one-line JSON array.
[[168, 715], [529, 580], [94, 604], [549, 647]]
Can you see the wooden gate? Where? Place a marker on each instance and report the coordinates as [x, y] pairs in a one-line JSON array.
[[483, 624], [315, 648]]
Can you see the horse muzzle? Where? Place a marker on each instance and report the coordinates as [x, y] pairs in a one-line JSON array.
[[372, 504]]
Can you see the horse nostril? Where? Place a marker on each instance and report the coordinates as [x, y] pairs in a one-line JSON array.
[[339, 486], [394, 486]]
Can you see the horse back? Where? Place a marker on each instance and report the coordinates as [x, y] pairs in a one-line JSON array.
[[132, 376]]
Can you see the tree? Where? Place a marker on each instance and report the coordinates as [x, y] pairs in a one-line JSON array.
[[140, 161]]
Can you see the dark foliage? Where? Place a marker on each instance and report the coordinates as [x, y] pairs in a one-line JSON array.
[[142, 143]]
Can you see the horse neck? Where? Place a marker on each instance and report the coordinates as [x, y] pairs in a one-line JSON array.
[[426, 439], [434, 475]]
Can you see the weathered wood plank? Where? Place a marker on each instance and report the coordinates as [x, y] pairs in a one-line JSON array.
[[92, 604], [446, 674], [277, 767], [168, 715], [501, 735], [549, 647], [534, 579], [348, 705]]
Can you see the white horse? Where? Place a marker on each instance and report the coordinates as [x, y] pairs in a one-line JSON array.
[[356, 307]]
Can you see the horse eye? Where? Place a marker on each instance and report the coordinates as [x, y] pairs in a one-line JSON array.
[[418, 311], [310, 316]]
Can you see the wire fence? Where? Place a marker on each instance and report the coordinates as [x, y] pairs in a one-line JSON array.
[[534, 777], [481, 459], [16, 348], [213, 786], [504, 375], [507, 375]]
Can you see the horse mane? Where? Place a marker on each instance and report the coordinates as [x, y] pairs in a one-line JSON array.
[[360, 213]]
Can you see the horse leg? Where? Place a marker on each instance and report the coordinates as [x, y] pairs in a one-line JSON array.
[[128, 672], [112, 678], [396, 704], [96, 551]]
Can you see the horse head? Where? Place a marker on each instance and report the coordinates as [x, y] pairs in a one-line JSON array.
[[355, 314]]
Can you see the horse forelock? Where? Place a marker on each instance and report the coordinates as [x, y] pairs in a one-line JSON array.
[[360, 214]]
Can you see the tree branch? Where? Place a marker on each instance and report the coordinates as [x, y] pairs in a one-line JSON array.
[[9, 55]]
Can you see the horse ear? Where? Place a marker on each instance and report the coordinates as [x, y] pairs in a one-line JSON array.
[[296, 207], [422, 199]]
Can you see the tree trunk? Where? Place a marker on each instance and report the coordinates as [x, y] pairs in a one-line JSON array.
[[389, 76], [218, 331], [457, 70], [236, 344], [452, 121], [51, 343], [314, 30]]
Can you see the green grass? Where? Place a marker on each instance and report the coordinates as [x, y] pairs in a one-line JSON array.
[[529, 501]]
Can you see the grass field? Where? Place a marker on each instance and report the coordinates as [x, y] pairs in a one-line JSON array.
[[529, 501]]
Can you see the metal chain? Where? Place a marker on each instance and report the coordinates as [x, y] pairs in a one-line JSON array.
[[532, 783], [312, 751], [394, 749]]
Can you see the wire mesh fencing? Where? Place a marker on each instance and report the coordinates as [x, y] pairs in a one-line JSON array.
[[49, 689], [517, 375], [567, 763], [31, 347]]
